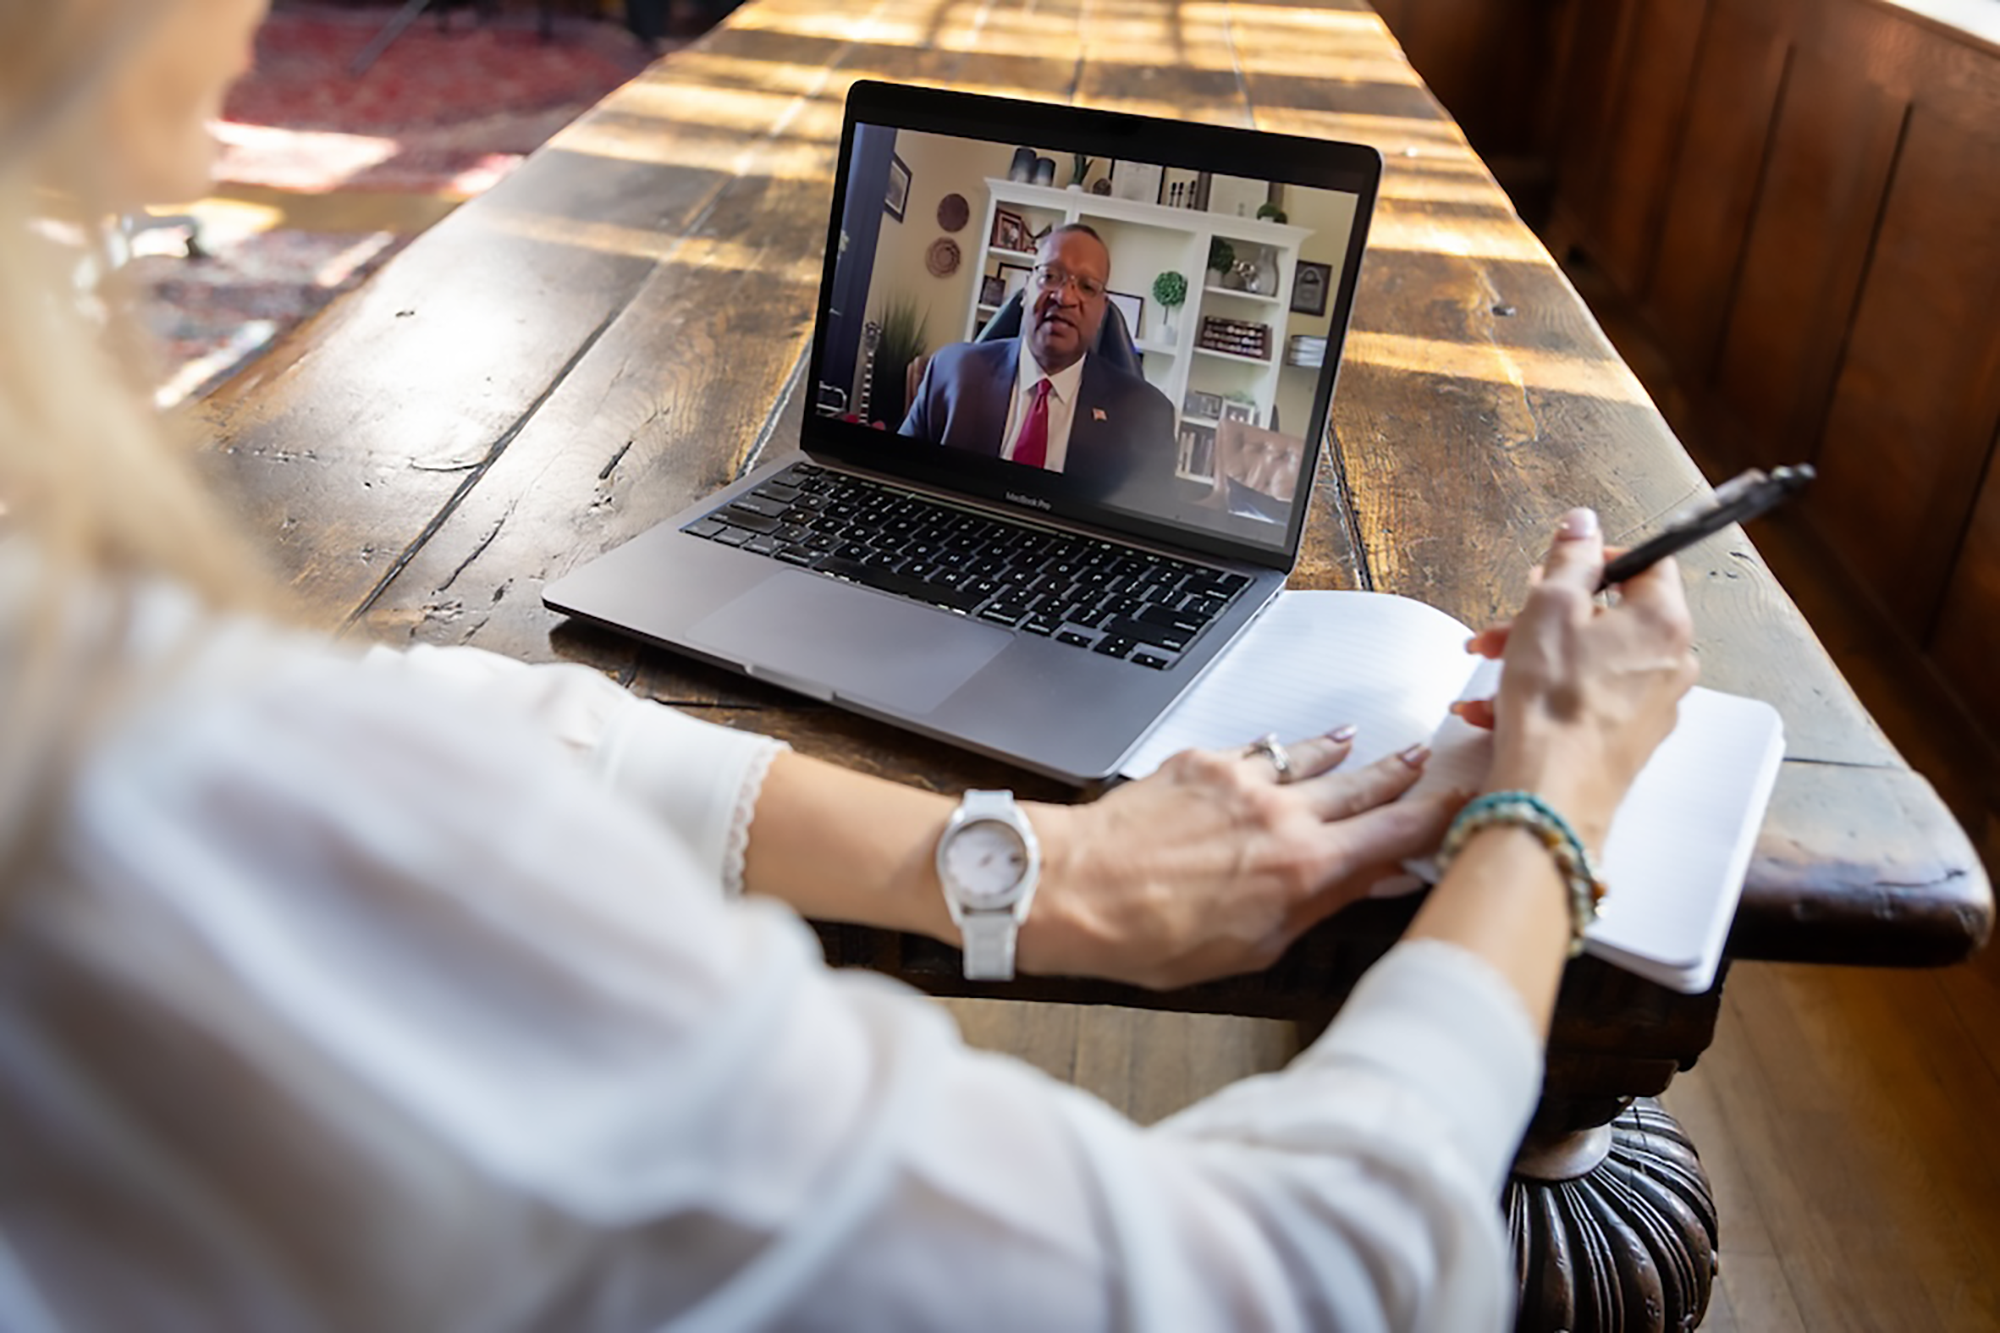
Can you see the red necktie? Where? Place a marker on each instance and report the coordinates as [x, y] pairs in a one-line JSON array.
[[1033, 446]]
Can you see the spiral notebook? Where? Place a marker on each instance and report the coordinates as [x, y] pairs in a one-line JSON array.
[[1679, 846]]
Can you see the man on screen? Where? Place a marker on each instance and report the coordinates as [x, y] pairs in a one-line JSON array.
[[1044, 399]]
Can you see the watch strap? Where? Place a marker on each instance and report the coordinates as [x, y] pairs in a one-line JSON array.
[[989, 945], [988, 805], [989, 934]]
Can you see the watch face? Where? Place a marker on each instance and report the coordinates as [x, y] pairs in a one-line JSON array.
[[986, 862]]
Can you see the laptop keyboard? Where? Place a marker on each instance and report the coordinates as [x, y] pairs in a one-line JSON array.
[[1125, 603]]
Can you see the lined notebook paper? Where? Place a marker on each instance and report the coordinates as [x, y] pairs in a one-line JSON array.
[[1679, 845]]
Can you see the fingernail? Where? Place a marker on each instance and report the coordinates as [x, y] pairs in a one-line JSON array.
[[1472, 644], [1457, 709], [1577, 524], [1342, 734], [1415, 755]]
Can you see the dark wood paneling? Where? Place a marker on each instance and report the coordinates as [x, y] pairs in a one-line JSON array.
[[1484, 59], [1912, 417], [1967, 642], [1818, 268], [1830, 155], [1733, 94], [1600, 43], [1644, 136]]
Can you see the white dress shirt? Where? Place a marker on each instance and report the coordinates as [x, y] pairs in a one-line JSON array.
[[1063, 387], [401, 994]]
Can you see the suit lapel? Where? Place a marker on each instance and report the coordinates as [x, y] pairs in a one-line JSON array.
[[990, 395], [1087, 427]]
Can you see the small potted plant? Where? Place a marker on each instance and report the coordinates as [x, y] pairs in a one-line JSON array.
[[1221, 255], [1170, 290], [1079, 168], [1270, 212]]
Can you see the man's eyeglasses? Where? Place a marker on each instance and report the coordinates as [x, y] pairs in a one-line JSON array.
[[1050, 278]]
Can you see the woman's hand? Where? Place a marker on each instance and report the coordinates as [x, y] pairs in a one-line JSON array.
[[1214, 865], [1589, 690]]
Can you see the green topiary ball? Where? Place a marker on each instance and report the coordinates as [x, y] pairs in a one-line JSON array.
[[1221, 254], [1170, 289]]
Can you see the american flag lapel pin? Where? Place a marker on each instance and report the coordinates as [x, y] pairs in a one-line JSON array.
[[1097, 414]]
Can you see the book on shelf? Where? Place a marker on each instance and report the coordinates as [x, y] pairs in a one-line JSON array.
[[1679, 845], [1197, 451], [1239, 336]]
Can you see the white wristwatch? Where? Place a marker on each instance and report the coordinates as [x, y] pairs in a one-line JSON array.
[[988, 861]]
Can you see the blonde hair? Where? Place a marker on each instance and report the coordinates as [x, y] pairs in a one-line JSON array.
[[90, 477]]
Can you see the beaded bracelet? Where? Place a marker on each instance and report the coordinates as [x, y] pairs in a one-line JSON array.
[[1524, 809]]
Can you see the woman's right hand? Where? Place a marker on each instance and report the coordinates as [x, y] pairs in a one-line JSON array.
[[1588, 693], [1589, 690]]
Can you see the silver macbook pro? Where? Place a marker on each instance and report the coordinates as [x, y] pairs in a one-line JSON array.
[[1071, 374]]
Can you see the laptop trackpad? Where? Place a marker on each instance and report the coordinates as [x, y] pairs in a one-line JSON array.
[[815, 634]]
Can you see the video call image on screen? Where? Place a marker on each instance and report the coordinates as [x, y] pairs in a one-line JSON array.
[[1179, 318]]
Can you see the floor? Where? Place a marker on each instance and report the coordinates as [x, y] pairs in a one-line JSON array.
[[1845, 1116]]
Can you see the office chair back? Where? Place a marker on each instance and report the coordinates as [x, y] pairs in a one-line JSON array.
[[1114, 343]]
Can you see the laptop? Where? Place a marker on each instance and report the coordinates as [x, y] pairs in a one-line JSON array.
[[1033, 571]]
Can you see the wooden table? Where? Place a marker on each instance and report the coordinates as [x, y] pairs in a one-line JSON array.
[[622, 325]]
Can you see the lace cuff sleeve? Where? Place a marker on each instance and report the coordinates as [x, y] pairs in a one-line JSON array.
[[699, 779]]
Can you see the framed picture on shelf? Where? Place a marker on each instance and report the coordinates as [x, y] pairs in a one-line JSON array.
[[1180, 188], [1013, 278], [1010, 231], [1243, 412], [1202, 404], [897, 200], [992, 289], [1138, 181], [1237, 196], [1309, 286], [1129, 306]]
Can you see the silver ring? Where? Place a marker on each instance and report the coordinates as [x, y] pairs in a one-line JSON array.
[[1267, 745]]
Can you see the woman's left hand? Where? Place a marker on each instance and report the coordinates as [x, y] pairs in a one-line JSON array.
[[1216, 863]]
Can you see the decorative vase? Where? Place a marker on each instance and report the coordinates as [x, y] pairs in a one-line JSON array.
[[1022, 168], [1045, 171], [1267, 271]]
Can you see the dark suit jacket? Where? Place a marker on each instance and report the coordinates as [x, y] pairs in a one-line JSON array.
[[1121, 438]]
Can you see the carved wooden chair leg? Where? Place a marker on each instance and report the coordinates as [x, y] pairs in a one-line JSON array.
[[1613, 1227]]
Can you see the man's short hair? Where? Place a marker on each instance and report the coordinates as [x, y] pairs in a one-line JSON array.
[[1083, 227]]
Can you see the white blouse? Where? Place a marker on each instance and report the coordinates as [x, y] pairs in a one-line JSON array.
[[398, 994]]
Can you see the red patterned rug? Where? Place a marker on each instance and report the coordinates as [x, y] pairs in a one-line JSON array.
[[442, 113]]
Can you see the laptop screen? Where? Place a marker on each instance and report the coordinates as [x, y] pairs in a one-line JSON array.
[[1087, 314]]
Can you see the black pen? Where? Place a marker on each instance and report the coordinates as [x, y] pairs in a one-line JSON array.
[[1736, 501]]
